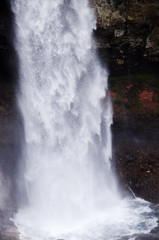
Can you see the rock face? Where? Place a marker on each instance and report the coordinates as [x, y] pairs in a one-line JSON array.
[[8, 58], [136, 154], [127, 31], [127, 39], [10, 121]]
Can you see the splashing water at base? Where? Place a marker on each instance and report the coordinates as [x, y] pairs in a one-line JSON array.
[[70, 189], [128, 219]]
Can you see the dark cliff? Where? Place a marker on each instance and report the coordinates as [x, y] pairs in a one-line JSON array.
[[10, 122], [127, 39], [127, 31], [8, 58]]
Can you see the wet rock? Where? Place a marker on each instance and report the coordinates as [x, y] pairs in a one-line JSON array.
[[136, 156], [126, 29]]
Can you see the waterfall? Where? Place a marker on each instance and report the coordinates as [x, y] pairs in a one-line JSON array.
[[67, 117]]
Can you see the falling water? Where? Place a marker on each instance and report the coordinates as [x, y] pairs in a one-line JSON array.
[[67, 150]]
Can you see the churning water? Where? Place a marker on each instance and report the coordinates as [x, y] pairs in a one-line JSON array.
[[70, 190]]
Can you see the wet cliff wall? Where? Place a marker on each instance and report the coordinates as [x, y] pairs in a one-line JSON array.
[[10, 121], [127, 39], [127, 31]]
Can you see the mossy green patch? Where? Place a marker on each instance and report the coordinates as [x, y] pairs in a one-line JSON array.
[[150, 79], [127, 105], [157, 106], [136, 103], [115, 88], [118, 100]]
